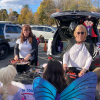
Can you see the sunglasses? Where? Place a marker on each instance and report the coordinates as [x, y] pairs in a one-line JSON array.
[[80, 33]]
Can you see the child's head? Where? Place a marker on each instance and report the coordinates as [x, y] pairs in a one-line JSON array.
[[7, 74], [54, 69], [54, 73]]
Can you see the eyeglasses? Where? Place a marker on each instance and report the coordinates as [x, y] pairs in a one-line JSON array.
[[80, 33]]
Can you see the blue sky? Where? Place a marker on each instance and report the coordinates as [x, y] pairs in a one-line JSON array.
[[16, 5]]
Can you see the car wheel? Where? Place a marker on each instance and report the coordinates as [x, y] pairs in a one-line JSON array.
[[3, 52]]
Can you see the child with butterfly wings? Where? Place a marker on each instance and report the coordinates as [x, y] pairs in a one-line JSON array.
[[53, 85]]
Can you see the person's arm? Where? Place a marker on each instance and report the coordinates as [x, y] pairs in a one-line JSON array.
[[87, 65], [65, 60], [16, 51], [18, 96], [88, 62], [27, 57], [34, 47]]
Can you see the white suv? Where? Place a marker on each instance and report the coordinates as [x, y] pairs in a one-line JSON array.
[[8, 36], [46, 31]]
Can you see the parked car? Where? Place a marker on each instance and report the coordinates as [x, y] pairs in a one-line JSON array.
[[8, 35], [46, 31], [66, 23]]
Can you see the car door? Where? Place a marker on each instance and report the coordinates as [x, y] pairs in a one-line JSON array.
[[11, 33], [48, 32]]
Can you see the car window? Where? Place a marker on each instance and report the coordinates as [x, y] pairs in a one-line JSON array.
[[33, 28], [39, 28], [10, 29], [54, 28], [48, 29], [18, 29], [1, 29]]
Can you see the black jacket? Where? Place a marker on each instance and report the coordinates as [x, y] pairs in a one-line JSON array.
[[34, 50]]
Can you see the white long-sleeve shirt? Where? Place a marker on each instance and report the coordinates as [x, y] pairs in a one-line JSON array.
[[78, 56]]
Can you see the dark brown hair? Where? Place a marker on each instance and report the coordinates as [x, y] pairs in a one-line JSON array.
[[27, 27], [54, 73]]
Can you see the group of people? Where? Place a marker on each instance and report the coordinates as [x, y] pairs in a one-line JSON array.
[[53, 73], [26, 48], [78, 54]]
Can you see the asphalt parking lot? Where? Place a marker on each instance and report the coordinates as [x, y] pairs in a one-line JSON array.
[[42, 57]]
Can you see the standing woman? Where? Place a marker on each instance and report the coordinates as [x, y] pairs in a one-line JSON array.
[[26, 46]]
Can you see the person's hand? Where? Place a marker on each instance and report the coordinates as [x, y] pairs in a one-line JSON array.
[[82, 72], [27, 57], [16, 57], [65, 67]]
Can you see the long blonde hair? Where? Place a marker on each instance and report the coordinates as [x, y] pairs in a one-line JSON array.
[[7, 75]]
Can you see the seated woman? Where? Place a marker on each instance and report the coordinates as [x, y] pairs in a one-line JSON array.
[[54, 73], [26, 46], [9, 91], [79, 52], [97, 71]]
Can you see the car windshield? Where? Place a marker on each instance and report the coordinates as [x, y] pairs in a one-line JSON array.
[[54, 28]]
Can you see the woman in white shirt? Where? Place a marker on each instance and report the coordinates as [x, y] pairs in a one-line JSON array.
[[78, 53], [26, 46]]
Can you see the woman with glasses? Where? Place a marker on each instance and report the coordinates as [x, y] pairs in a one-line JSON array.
[[79, 52]]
